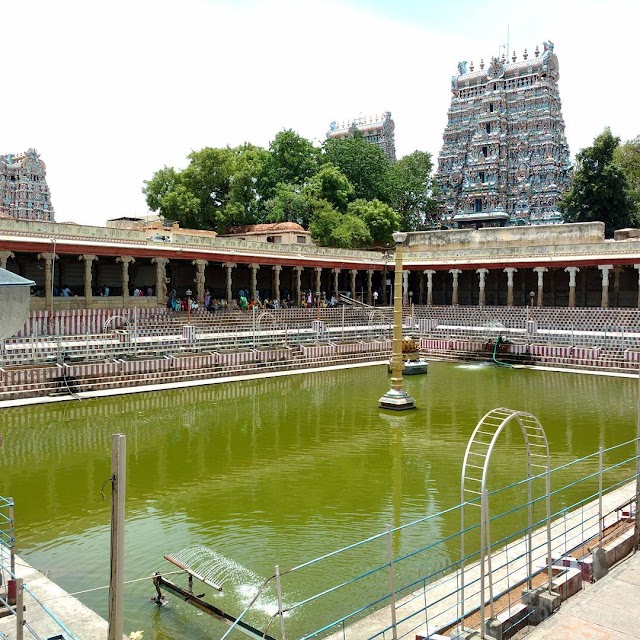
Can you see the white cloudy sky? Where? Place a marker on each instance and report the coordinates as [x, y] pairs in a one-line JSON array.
[[109, 92]]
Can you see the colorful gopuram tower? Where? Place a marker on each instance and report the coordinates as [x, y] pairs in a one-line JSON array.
[[505, 159], [24, 193], [377, 129]]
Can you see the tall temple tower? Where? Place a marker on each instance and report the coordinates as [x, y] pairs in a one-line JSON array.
[[377, 129], [24, 193], [505, 159]]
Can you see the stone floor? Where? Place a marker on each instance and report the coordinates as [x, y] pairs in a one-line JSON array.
[[607, 610]]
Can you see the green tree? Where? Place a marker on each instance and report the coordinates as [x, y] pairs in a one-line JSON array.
[[411, 191], [289, 204], [166, 194], [381, 220], [627, 157], [599, 190], [330, 184], [334, 229], [363, 164], [292, 160]]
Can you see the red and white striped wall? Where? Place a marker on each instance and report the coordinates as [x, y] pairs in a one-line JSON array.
[[430, 344], [317, 351], [234, 358]]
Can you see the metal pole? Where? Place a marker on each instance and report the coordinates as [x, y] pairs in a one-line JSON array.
[[392, 586], [116, 581], [280, 612], [343, 322], [19, 609], [600, 498], [12, 536]]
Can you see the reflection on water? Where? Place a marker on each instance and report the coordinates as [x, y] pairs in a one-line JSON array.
[[274, 471]]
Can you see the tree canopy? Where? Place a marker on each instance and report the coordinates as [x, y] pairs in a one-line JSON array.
[[627, 157], [346, 192], [599, 191]]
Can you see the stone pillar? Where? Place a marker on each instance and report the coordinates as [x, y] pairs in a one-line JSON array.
[[276, 281], [385, 275], [229, 267], [48, 262], [421, 280], [482, 274], [354, 273], [637, 266], [429, 273], [161, 279], [335, 281], [605, 268], [510, 271], [254, 280], [298, 272], [126, 261], [454, 295], [616, 286], [319, 280], [200, 266], [540, 271], [4, 256], [369, 286], [88, 263], [572, 284], [405, 288]]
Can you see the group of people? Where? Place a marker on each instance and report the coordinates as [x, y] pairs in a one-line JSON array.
[[175, 303], [141, 292]]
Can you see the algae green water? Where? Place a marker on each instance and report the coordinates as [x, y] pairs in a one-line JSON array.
[[273, 471]]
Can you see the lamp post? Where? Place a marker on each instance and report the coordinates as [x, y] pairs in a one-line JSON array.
[[397, 398], [531, 296], [188, 293]]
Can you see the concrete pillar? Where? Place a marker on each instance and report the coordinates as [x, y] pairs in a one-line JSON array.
[[319, 280], [482, 274], [88, 263], [276, 281], [335, 281], [253, 285], [126, 261], [48, 263], [229, 266], [429, 273], [637, 266], [454, 295], [298, 272], [540, 271], [354, 273], [161, 279], [369, 286], [572, 284], [405, 287], [617, 272], [200, 266], [4, 256], [510, 271], [605, 268]]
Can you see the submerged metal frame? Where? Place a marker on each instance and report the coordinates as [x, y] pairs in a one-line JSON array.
[[474, 493]]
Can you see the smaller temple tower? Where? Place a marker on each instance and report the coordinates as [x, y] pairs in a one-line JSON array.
[[24, 193], [377, 129], [504, 158]]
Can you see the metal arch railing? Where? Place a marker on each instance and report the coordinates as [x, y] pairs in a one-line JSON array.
[[474, 493]]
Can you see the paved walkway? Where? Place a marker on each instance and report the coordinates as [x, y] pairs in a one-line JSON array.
[[607, 610]]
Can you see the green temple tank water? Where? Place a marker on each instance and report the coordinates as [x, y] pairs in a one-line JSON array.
[[274, 471]]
